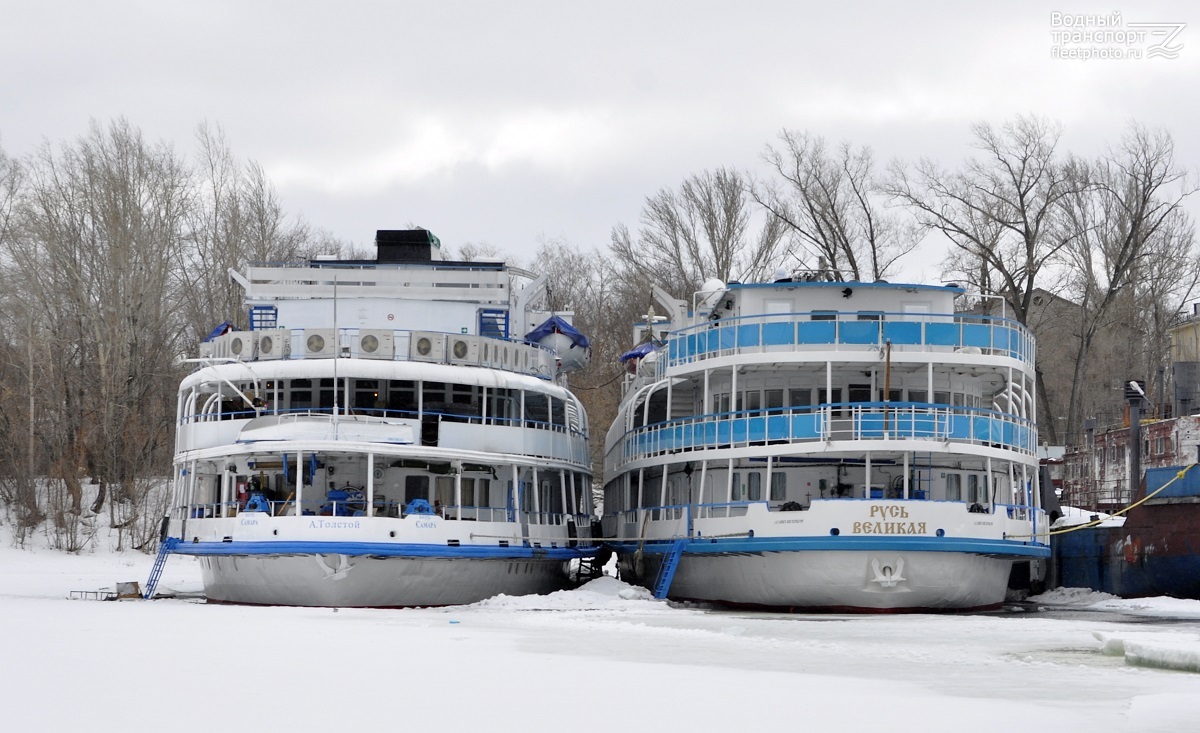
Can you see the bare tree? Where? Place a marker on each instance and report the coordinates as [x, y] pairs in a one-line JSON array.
[[1128, 232], [472, 251], [98, 228], [10, 185], [831, 203], [18, 460], [998, 210], [236, 219], [704, 229], [1000, 213], [585, 282]]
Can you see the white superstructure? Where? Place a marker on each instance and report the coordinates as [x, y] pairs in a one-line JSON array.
[[382, 436], [812, 444]]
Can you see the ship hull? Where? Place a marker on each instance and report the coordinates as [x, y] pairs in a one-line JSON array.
[[854, 581], [339, 580], [1156, 553]]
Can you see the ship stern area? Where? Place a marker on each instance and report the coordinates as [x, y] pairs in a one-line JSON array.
[[374, 562], [846, 555]]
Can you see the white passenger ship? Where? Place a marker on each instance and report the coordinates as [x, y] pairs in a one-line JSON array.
[[380, 438], [822, 445]]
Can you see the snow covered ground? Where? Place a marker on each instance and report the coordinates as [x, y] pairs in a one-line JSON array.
[[604, 657]]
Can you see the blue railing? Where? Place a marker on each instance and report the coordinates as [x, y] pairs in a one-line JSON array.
[[843, 421], [796, 331]]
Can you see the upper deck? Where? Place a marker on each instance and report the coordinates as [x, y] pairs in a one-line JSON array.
[[816, 321], [847, 332], [407, 305]]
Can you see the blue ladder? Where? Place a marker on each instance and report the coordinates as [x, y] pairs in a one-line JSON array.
[[666, 571], [164, 549]]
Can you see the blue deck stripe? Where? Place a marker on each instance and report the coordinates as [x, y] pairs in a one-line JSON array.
[[703, 546], [382, 549]]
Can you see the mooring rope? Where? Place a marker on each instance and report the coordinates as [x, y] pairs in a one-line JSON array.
[[1075, 527]]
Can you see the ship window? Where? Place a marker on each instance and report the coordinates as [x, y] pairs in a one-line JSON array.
[[658, 407], [824, 315], [754, 486], [483, 492], [917, 395], [537, 408], [366, 394], [953, 487], [836, 399], [800, 397], [774, 398], [501, 405], [859, 393], [778, 486], [445, 492], [553, 502], [973, 488], [300, 394], [739, 489], [870, 316], [894, 395], [941, 398], [416, 487], [721, 402], [585, 496], [433, 393], [558, 411], [402, 396], [467, 490], [750, 401], [464, 394]]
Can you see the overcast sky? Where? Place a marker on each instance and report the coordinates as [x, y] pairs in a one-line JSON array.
[[508, 123]]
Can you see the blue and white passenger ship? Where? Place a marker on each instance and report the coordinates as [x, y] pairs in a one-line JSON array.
[[826, 445], [380, 438]]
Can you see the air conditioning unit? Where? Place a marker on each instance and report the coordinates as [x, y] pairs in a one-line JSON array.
[[463, 349], [375, 344], [240, 345], [320, 342], [427, 346], [519, 360], [275, 343], [496, 353], [501, 354]]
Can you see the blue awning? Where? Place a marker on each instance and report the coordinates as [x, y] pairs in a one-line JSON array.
[[557, 325], [639, 351], [220, 330]]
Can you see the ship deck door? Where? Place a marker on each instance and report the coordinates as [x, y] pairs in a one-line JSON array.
[[921, 485], [416, 487], [430, 425]]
